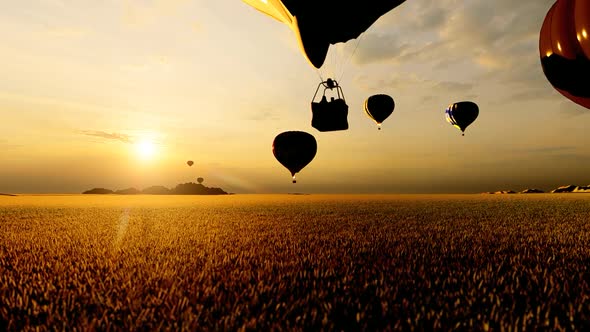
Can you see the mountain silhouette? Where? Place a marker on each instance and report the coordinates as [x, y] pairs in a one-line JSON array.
[[128, 191], [98, 191], [181, 189], [571, 188], [156, 190], [196, 189], [565, 189]]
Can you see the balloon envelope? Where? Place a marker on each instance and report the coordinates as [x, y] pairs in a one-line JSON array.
[[200, 180], [319, 23], [462, 114], [294, 150], [564, 48], [190, 162], [379, 107]]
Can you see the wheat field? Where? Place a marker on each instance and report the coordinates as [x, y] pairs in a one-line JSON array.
[[295, 262]]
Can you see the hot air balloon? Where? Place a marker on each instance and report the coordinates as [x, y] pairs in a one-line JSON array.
[[319, 23], [564, 47], [294, 150], [462, 114], [200, 180], [379, 107], [190, 163]]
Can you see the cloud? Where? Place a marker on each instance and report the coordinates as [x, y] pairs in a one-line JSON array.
[[263, 115], [497, 39], [369, 83], [259, 110], [418, 15], [570, 109], [416, 84], [109, 136], [454, 86], [461, 46], [379, 47]]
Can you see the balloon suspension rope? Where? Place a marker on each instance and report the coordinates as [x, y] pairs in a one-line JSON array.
[[327, 68], [318, 71], [348, 59]]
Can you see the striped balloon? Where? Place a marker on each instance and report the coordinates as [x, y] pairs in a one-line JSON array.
[[462, 114]]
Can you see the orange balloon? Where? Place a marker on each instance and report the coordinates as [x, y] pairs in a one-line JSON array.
[[563, 33], [582, 25], [545, 46], [564, 49]]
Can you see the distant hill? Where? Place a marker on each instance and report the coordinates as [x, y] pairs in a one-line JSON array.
[[582, 189], [532, 191], [196, 189], [572, 189], [98, 191], [563, 189], [181, 189], [128, 191], [156, 190]]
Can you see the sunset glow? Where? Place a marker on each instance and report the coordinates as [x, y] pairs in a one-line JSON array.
[[294, 165], [146, 149], [136, 84]]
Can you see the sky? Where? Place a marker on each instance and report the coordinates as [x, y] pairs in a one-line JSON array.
[[121, 93]]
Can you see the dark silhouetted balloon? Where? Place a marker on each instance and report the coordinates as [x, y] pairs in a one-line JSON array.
[[319, 23], [379, 107], [190, 162], [564, 47], [462, 114], [200, 180], [294, 150]]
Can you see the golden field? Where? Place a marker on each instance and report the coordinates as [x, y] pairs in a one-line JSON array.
[[295, 262]]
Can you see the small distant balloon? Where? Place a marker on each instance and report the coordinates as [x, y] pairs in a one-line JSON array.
[[379, 107], [190, 163], [462, 114], [294, 150], [200, 180]]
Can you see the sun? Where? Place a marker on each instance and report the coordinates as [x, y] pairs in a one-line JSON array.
[[146, 149]]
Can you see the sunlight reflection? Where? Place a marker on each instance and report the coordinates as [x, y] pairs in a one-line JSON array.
[[121, 228]]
